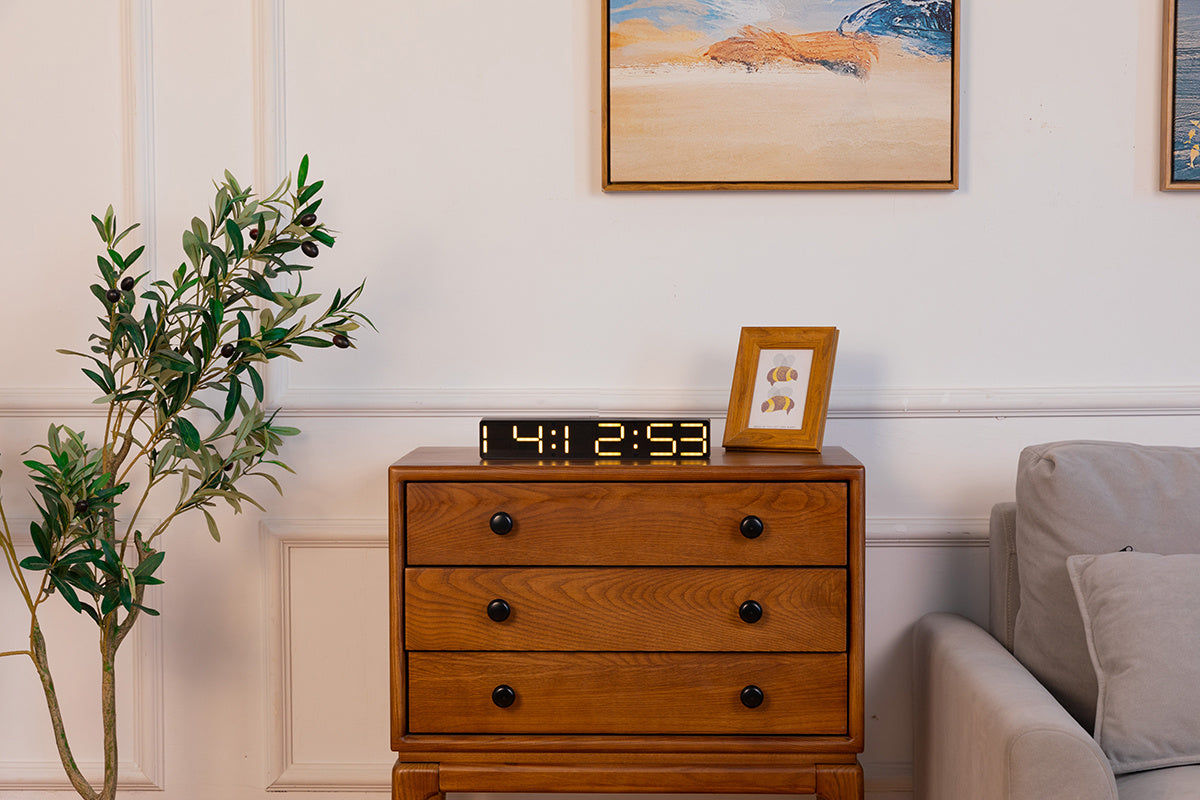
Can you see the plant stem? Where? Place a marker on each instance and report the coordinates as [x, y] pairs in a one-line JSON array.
[[38, 642], [10, 558], [109, 641]]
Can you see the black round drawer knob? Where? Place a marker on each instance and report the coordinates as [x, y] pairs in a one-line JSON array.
[[750, 611], [751, 527], [504, 696], [501, 523], [498, 610], [752, 696]]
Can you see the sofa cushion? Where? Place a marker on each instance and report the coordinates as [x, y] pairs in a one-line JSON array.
[[1141, 617], [1090, 497], [1173, 783]]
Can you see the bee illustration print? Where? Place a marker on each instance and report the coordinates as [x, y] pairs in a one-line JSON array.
[[779, 399], [782, 375], [780, 386], [778, 402], [782, 371]]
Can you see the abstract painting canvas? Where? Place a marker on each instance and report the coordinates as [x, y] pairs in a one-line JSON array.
[[780, 94], [1181, 96]]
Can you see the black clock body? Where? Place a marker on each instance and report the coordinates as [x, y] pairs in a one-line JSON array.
[[592, 438]]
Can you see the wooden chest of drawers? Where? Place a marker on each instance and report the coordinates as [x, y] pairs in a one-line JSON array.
[[592, 626]]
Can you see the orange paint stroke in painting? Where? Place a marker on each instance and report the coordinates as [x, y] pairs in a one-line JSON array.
[[632, 31], [638, 42], [754, 48]]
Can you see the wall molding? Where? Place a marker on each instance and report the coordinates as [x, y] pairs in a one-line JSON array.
[[887, 778], [1001, 402], [428, 402], [270, 135], [279, 539], [848, 403], [885, 532], [137, 122], [270, 94]]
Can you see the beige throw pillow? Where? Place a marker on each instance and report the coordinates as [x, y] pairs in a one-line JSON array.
[[1141, 615]]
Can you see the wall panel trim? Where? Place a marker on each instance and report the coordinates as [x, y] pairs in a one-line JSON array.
[[279, 539], [137, 128], [270, 95], [850, 403], [927, 531], [999, 403]]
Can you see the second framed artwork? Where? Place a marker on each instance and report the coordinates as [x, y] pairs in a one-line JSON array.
[[1181, 95], [780, 393], [791, 94]]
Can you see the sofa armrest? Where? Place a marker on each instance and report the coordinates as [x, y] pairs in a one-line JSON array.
[[986, 729]]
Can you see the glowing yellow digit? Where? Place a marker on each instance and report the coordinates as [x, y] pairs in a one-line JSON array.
[[702, 438], [566, 439], [517, 437], [483, 429], [664, 439], [620, 435]]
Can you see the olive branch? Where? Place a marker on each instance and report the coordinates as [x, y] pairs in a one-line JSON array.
[[178, 362]]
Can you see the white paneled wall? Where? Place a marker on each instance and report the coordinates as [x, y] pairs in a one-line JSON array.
[[1050, 297]]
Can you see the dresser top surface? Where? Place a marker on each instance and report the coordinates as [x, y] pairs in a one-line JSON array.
[[463, 463]]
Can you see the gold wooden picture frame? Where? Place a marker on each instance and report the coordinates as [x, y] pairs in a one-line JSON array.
[[780, 393], [786, 95], [1180, 136]]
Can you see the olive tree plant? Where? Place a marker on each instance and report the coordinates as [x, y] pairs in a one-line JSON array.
[[178, 362]]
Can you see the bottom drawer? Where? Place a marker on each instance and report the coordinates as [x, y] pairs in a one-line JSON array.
[[627, 693]]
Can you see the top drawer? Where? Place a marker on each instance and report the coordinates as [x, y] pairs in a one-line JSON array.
[[632, 524]]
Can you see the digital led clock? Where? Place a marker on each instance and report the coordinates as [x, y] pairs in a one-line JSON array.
[[593, 438]]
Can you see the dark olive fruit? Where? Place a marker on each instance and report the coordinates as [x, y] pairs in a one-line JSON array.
[[308, 220], [227, 350], [81, 506], [310, 249], [113, 295], [228, 466], [127, 284], [254, 233], [341, 340]]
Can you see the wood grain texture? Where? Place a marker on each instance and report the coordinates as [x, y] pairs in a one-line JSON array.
[[684, 608], [627, 523], [822, 342], [630, 693], [839, 782], [415, 782], [463, 464], [607, 705], [794, 778]]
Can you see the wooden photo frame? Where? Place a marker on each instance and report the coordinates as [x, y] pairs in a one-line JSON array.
[[792, 94], [1180, 149], [780, 393]]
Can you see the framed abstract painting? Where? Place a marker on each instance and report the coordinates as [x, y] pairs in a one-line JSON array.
[[1181, 95], [787, 94]]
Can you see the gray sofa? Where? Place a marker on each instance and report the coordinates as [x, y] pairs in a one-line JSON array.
[[1095, 627]]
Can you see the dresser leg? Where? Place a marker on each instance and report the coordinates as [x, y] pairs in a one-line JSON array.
[[416, 782], [840, 782]]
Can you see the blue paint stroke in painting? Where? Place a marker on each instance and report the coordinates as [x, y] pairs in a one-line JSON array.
[[1187, 88], [721, 18], [922, 26]]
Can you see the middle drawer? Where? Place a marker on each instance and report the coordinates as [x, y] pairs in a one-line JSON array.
[[682, 609]]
